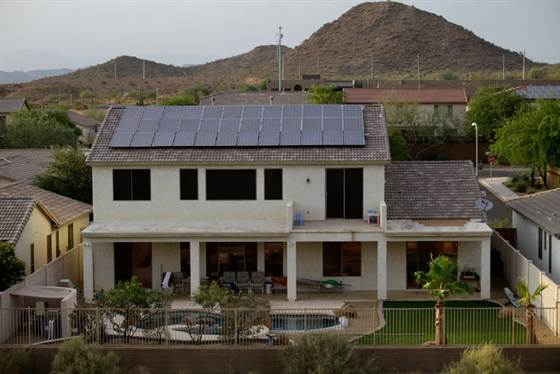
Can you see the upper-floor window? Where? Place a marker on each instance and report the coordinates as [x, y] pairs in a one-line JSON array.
[[344, 193], [450, 111], [231, 184], [189, 184], [273, 184], [131, 184]]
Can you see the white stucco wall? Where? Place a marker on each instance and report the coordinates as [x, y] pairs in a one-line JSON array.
[[396, 262], [165, 257], [103, 266], [468, 256], [35, 231]]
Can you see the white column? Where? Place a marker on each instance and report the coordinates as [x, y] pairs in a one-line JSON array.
[[87, 260], [382, 269], [260, 256], [292, 269], [485, 285], [195, 265]]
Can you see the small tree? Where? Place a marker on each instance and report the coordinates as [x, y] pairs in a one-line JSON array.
[[486, 359], [15, 361], [67, 175], [75, 357], [527, 299], [398, 145], [324, 354], [441, 281], [325, 95], [40, 129], [12, 269]]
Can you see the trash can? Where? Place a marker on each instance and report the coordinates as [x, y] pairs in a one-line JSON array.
[[268, 288], [372, 217]]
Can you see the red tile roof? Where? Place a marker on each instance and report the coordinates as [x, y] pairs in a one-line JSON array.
[[405, 95]]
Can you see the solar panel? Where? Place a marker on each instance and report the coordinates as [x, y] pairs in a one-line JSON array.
[[128, 125], [312, 111], [226, 138], [353, 124], [232, 111], [311, 124], [332, 124], [133, 113], [250, 124], [184, 139], [122, 139], [205, 139], [148, 125], [142, 139], [290, 138], [189, 124], [209, 125], [272, 111], [212, 112], [248, 138], [153, 112], [333, 138], [193, 111], [291, 124], [269, 138], [230, 124], [354, 138], [332, 111], [252, 111], [352, 110], [173, 112], [163, 139], [292, 111], [311, 138], [169, 124], [271, 124]]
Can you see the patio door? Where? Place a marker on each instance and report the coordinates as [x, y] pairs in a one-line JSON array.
[[230, 256], [133, 259], [418, 256], [344, 190]]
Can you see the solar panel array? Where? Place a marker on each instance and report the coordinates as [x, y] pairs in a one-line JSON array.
[[540, 92], [240, 126]]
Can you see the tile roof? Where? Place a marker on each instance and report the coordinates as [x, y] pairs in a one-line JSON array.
[[375, 150], [431, 190], [81, 120], [405, 95], [22, 165], [14, 214], [62, 209], [543, 208], [255, 98], [12, 105]]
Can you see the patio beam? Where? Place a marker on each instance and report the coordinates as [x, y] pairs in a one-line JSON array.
[[194, 246], [382, 269], [87, 260], [292, 269], [485, 277]]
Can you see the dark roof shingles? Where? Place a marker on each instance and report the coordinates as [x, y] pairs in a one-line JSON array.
[[14, 214], [543, 208], [8, 106], [22, 165]]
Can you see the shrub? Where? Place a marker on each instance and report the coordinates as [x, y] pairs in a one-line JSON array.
[[324, 354], [12, 269], [487, 359], [520, 185], [75, 357], [15, 361]]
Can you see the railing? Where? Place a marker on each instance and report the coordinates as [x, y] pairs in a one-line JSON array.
[[362, 326]]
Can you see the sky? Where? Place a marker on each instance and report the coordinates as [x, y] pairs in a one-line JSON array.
[[47, 34]]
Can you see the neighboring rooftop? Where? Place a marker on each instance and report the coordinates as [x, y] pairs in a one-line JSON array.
[[534, 92], [62, 209], [80, 120], [8, 106], [22, 165], [543, 208], [14, 214], [376, 148], [420, 190], [405, 95], [255, 98]]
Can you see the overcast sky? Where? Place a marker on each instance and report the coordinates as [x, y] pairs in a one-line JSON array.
[[76, 33]]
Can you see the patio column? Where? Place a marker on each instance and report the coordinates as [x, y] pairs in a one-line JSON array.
[[382, 269], [194, 246], [87, 260], [485, 283], [260, 256], [292, 269]]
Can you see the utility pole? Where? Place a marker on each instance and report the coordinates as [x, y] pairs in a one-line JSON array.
[[523, 65], [115, 71], [503, 67], [143, 69], [283, 68], [280, 35]]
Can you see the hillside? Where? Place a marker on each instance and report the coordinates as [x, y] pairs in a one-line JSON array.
[[389, 34], [30, 75]]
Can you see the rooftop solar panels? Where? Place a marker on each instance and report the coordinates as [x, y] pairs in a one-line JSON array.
[[540, 92], [240, 126]]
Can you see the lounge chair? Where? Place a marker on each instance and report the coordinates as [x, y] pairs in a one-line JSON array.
[[243, 281], [228, 278], [257, 281]]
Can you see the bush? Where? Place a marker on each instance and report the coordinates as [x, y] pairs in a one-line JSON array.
[[520, 185], [486, 359], [75, 357], [324, 354], [12, 269], [15, 361]]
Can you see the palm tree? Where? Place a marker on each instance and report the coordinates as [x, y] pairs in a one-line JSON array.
[[526, 298], [442, 282]]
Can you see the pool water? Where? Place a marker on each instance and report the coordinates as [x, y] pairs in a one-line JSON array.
[[301, 322]]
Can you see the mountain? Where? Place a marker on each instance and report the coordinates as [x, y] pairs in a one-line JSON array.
[[30, 75], [387, 36]]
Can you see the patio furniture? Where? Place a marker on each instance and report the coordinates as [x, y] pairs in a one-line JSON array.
[[243, 281], [511, 298], [181, 282], [257, 281], [228, 278], [329, 284]]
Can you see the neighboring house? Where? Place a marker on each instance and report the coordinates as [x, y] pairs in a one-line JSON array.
[[255, 98], [87, 125], [307, 81], [536, 219], [22, 165], [10, 106], [208, 189], [539, 92]]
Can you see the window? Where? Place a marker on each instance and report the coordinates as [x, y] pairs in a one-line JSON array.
[[436, 110], [189, 184], [342, 259], [273, 184], [450, 111], [419, 254], [57, 246], [344, 193], [32, 257], [133, 259], [230, 256], [273, 259], [540, 243], [70, 236], [231, 185], [185, 258], [131, 184], [49, 248]]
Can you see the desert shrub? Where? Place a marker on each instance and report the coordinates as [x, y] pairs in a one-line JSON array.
[[76, 357], [520, 185], [15, 361], [487, 359], [324, 354]]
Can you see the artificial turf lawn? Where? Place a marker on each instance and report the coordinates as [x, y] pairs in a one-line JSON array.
[[467, 322]]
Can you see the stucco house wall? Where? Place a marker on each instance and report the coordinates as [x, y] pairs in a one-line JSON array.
[[35, 232]]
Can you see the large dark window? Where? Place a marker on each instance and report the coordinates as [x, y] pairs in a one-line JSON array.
[[273, 184], [224, 256], [131, 184], [231, 185], [49, 248], [32, 256], [57, 243], [189, 184], [133, 259], [185, 258], [273, 259], [342, 259], [540, 243], [70, 236], [419, 254], [345, 193]]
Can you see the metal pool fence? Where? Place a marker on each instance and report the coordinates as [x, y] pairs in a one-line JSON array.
[[364, 326]]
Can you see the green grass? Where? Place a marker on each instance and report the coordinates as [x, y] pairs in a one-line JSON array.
[[467, 322]]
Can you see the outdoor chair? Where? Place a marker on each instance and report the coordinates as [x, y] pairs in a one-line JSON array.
[[228, 278], [180, 281], [257, 281], [243, 281]]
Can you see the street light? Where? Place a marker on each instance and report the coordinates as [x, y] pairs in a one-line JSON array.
[[476, 147]]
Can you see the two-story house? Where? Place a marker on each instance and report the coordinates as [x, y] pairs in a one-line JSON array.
[[282, 189]]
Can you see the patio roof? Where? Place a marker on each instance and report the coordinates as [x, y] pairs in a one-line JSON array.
[[410, 228]]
